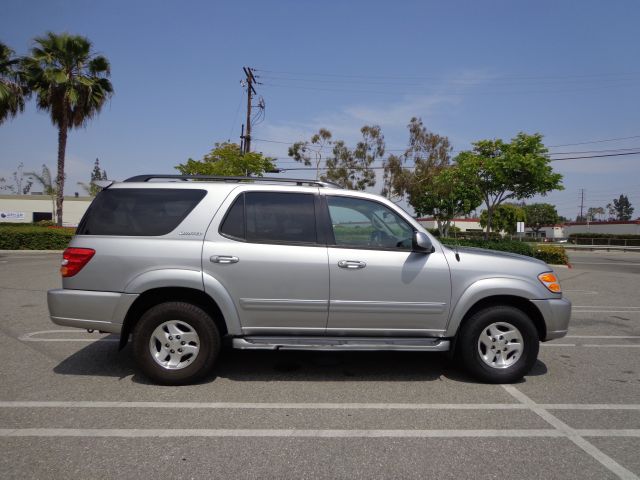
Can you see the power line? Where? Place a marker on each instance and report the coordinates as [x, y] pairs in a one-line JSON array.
[[608, 150], [630, 83], [411, 167], [595, 141], [432, 77], [460, 82], [596, 156]]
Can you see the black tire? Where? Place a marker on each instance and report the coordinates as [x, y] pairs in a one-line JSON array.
[[469, 349], [188, 315]]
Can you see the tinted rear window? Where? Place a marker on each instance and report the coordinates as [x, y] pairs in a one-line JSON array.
[[138, 211], [280, 217]]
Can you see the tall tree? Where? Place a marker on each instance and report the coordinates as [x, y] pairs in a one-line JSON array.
[[72, 83], [423, 175], [540, 214], [594, 212], [445, 195], [96, 174], [427, 153], [312, 152], [510, 171], [351, 169], [505, 218], [621, 209], [226, 159], [20, 185], [12, 87]]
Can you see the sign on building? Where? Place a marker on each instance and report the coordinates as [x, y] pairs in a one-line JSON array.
[[11, 216]]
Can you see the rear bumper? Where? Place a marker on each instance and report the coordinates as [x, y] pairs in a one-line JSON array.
[[556, 313], [90, 310]]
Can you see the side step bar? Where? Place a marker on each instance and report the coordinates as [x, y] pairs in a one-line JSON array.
[[342, 343]]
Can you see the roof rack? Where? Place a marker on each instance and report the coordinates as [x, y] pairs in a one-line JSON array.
[[215, 178]]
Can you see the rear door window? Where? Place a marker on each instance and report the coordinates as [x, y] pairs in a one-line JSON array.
[[272, 217], [138, 211]]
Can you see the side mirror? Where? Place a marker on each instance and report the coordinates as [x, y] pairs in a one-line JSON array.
[[422, 243]]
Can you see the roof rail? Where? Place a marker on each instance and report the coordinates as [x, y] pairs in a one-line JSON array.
[[215, 178]]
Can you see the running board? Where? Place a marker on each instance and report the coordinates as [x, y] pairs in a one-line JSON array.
[[342, 343]]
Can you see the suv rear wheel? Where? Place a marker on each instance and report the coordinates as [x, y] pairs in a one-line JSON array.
[[175, 343], [499, 344]]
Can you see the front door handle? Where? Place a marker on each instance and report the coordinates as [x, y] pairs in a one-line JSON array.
[[351, 264], [224, 259]]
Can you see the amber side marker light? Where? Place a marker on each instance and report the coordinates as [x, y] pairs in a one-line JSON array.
[[550, 281], [74, 259]]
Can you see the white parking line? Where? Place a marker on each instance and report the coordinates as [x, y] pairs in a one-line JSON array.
[[604, 336], [314, 406], [589, 345], [575, 435], [604, 263], [604, 311], [295, 433], [609, 307], [288, 433], [33, 337]]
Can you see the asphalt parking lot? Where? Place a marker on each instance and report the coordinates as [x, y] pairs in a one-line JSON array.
[[72, 406]]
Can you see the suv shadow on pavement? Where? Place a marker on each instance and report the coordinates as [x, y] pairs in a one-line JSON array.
[[101, 358]]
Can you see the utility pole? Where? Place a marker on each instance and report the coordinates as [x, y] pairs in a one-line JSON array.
[[250, 81], [581, 203]]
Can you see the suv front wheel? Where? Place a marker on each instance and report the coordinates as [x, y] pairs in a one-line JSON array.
[[498, 344], [175, 343]]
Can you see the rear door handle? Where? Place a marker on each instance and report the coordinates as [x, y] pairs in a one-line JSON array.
[[224, 259], [351, 264]]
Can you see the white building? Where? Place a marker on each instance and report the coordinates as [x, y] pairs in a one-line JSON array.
[[30, 208], [631, 227], [464, 224]]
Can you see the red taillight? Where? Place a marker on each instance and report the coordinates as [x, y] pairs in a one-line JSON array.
[[73, 259]]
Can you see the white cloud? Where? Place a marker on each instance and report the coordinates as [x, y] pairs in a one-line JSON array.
[[392, 116]]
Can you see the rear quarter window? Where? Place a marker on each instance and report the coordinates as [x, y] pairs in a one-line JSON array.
[[138, 211]]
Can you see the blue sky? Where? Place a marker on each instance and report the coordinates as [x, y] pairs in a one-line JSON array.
[[470, 69]]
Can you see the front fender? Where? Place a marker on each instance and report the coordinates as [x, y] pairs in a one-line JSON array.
[[489, 287]]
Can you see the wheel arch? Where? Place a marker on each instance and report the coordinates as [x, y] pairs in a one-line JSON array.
[[521, 303], [159, 295]]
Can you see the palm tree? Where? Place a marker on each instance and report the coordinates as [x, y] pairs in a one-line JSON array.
[[12, 88], [70, 82]]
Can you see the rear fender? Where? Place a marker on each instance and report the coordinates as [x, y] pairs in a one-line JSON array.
[[194, 279]]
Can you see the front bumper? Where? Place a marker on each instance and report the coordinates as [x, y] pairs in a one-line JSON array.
[[556, 313], [103, 311]]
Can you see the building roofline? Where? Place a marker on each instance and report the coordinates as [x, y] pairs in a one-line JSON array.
[[432, 219]]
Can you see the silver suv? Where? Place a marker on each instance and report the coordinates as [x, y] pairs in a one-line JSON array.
[[181, 263]]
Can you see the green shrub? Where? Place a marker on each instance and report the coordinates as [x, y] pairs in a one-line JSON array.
[[16, 224], [501, 245], [45, 223], [547, 253], [629, 236], [552, 255], [34, 238]]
